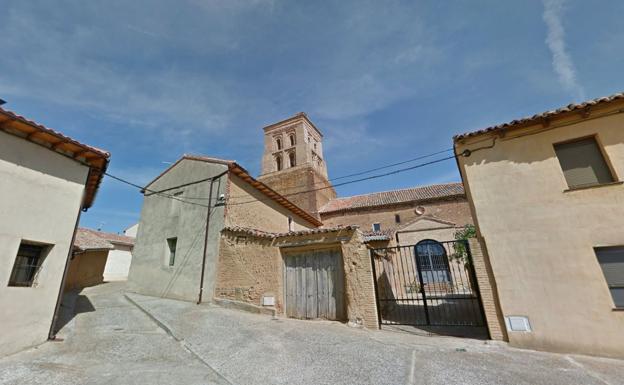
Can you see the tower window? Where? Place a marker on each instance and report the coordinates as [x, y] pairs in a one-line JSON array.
[[278, 163], [291, 138], [292, 159], [278, 143]]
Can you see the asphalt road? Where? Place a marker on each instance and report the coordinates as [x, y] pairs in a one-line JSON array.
[[142, 340]]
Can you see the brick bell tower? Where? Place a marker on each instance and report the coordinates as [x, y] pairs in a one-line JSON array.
[[293, 163]]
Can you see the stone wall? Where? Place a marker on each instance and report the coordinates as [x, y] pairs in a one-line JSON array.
[[456, 211]]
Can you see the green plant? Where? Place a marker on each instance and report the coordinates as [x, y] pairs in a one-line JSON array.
[[461, 247]]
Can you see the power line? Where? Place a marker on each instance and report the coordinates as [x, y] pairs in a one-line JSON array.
[[393, 172], [363, 172], [354, 181], [154, 192]]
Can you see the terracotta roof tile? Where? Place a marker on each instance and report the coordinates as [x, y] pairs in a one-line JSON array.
[[264, 234], [543, 115], [437, 191], [88, 239]]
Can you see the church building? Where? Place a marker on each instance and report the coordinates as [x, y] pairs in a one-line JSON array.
[[293, 165]]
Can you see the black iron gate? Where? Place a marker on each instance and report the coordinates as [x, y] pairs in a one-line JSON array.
[[428, 284]]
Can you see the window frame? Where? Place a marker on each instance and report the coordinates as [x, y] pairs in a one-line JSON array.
[[172, 253], [44, 250], [378, 225], [616, 307], [595, 137]]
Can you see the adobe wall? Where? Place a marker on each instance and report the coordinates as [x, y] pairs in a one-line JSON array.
[[251, 266], [256, 210], [86, 269]]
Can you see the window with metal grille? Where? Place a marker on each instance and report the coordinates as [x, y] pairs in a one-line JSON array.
[[611, 260], [583, 163], [27, 264], [172, 243]]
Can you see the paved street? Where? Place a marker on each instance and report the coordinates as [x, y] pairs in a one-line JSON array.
[[110, 340]]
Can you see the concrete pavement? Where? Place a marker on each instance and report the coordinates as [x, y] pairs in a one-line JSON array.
[[254, 349], [110, 340]]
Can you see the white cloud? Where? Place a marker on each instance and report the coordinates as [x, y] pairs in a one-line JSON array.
[[561, 60]]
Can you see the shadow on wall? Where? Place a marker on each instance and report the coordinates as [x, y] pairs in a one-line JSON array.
[[73, 303]]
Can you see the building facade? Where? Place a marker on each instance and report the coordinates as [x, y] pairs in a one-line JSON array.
[[46, 179], [547, 197], [177, 245]]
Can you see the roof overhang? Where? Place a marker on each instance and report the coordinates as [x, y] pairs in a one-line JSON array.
[[544, 118], [94, 158]]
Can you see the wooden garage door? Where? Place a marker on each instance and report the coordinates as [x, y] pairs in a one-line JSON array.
[[314, 285]]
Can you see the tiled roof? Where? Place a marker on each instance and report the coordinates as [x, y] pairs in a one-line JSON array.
[[264, 234], [319, 230], [381, 235], [53, 140], [87, 239], [239, 171], [541, 116], [424, 193]]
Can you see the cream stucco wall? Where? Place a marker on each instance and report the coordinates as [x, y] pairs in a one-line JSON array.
[[540, 237], [41, 196]]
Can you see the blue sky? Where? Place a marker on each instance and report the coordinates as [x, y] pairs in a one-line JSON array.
[[384, 80]]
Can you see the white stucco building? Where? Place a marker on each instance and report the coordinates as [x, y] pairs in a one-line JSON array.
[[46, 180]]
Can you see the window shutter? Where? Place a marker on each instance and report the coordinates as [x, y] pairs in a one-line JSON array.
[[611, 261], [582, 163]]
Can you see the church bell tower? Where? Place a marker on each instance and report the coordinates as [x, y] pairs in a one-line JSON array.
[[293, 163]]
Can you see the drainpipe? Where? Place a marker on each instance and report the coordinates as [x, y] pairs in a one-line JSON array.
[[203, 268], [59, 298]]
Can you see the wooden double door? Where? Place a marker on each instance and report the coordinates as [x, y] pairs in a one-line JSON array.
[[314, 285]]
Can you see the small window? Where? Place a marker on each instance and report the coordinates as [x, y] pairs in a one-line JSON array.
[[278, 163], [376, 226], [582, 163], [397, 218], [278, 143], [27, 264], [611, 260], [172, 243], [292, 140], [292, 159], [291, 224]]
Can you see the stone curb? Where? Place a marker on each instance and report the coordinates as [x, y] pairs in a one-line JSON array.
[[244, 306], [181, 341]]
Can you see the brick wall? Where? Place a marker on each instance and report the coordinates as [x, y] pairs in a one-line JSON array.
[[298, 179], [456, 211], [487, 289]]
